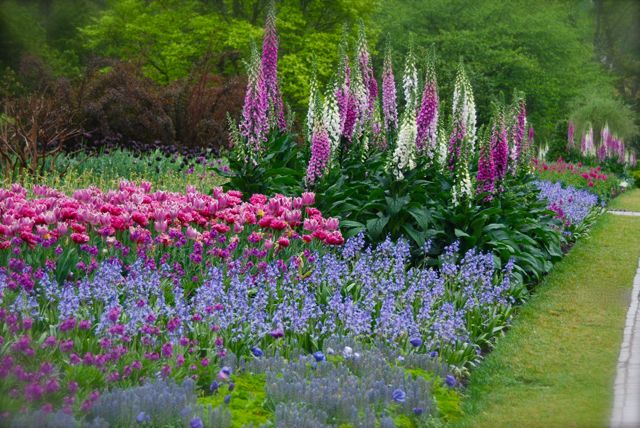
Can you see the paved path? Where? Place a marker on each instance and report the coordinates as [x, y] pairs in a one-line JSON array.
[[627, 213], [626, 407]]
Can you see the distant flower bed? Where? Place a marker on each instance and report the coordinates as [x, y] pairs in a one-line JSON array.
[[605, 186]]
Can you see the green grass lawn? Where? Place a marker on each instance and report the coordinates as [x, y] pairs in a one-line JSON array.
[[628, 201], [556, 366]]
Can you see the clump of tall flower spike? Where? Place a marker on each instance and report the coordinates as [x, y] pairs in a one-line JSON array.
[[320, 147], [427, 120], [389, 103], [464, 105], [462, 139], [500, 147], [254, 126], [518, 131], [486, 177], [405, 152], [269, 66], [263, 109]]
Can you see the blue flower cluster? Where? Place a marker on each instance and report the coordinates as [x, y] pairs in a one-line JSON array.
[[570, 204], [356, 290]]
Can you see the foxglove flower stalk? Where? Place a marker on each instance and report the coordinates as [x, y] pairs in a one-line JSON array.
[[486, 177], [368, 77], [456, 143], [605, 135], [313, 104], [331, 118], [500, 149], [571, 144], [360, 97], [379, 137], [518, 131], [462, 188], [427, 121], [458, 153], [269, 66], [587, 147], [464, 105], [346, 103], [410, 82], [601, 153], [320, 153], [405, 151], [389, 103], [254, 126]]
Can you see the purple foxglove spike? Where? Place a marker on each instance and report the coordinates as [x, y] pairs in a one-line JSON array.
[[389, 102], [255, 123], [486, 176], [500, 149], [427, 120], [320, 154], [269, 64]]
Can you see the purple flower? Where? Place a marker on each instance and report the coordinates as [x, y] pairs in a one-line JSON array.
[[415, 342], [257, 352], [227, 399], [486, 176], [418, 411], [389, 103], [196, 423], [269, 70], [320, 153], [255, 123], [319, 356], [213, 388], [500, 149], [368, 77], [142, 418], [398, 395], [277, 333], [427, 120], [450, 381]]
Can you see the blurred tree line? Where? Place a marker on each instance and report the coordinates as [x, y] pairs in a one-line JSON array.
[[574, 59]]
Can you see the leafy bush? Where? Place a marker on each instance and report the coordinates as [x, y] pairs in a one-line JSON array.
[[119, 100]]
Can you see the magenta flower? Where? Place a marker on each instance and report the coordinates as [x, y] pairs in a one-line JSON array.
[[320, 154], [486, 176], [255, 123], [427, 120], [500, 149], [368, 76], [347, 103], [389, 102], [269, 68]]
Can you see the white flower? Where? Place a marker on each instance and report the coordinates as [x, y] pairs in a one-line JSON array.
[[405, 152], [410, 82], [331, 118]]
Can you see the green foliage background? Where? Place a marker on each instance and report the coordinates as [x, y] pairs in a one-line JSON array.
[[566, 55]]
